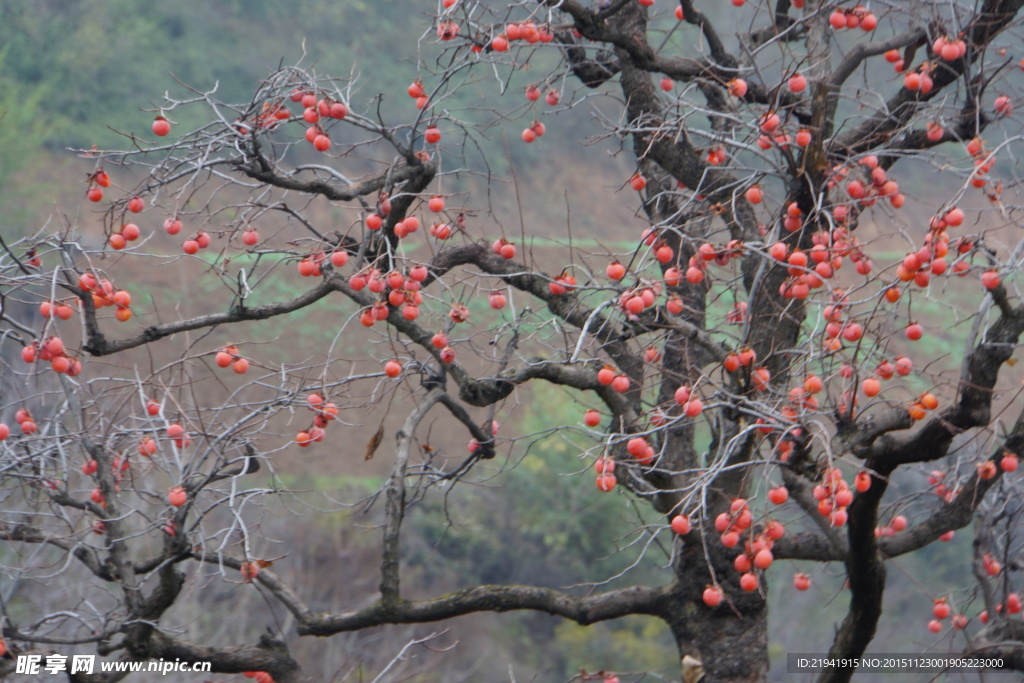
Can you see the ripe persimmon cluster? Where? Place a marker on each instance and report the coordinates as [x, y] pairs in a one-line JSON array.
[[105, 294], [834, 495], [228, 356], [52, 350], [325, 413]]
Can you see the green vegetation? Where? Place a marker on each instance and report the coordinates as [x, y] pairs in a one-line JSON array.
[[547, 510], [105, 58]]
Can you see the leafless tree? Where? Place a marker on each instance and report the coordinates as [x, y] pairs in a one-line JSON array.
[[726, 354]]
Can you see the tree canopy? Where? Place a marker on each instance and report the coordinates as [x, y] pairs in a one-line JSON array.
[[755, 370]]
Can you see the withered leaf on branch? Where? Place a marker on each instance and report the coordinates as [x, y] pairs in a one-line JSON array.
[[252, 568], [374, 443]]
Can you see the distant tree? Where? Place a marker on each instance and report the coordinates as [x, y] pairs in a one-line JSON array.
[[749, 363]]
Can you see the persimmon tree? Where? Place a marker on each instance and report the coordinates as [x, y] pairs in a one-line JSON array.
[[750, 367]]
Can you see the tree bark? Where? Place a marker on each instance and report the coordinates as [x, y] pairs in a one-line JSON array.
[[731, 640]]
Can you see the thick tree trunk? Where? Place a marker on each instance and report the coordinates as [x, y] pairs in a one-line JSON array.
[[731, 640]]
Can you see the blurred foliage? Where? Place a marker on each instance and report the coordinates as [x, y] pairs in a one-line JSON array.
[[77, 73], [635, 643], [543, 522], [105, 57]]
